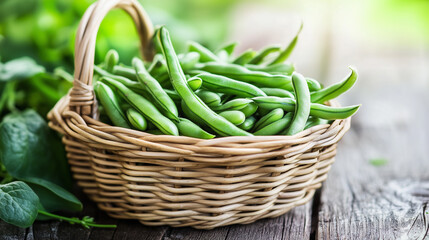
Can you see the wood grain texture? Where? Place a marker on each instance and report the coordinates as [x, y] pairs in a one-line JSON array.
[[296, 224], [363, 201]]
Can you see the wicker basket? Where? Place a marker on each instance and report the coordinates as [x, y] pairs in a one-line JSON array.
[[181, 181]]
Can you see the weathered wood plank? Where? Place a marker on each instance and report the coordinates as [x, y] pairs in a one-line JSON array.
[[362, 201], [11, 233]]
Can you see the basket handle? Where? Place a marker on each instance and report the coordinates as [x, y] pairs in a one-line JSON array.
[[82, 97]]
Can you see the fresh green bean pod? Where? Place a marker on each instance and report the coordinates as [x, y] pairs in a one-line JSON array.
[[136, 119], [172, 94], [302, 106], [111, 59], [280, 68], [155, 90], [314, 121], [124, 71], [188, 60], [210, 98], [245, 57], [241, 73], [250, 109], [190, 129], [276, 127], [272, 116], [313, 84], [149, 111], [248, 123], [235, 104], [223, 56], [228, 48], [158, 66], [135, 86], [259, 58], [195, 104], [191, 115], [111, 106], [235, 117], [284, 55], [223, 84], [277, 92], [335, 90], [317, 110], [195, 82], [205, 54]]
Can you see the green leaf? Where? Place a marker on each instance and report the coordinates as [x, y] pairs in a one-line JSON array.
[[18, 204], [30, 152], [53, 197], [19, 69], [28, 148]]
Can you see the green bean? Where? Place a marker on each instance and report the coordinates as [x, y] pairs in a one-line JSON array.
[[241, 73], [155, 90], [302, 106], [313, 84], [275, 127], [335, 90], [172, 94], [210, 98], [205, 54], [314, 121], [245, 57], [280, 68], [317, 110], [111, 59], [227, 85], [135, 86], [259, 58], [158, 66], [190, 129], [250, 109], [136, 119], [277, 92], [274, 115], [146, 108], [284, 55], [235, 117], [191, 115], [216, 122], [248, 123], [223, 56], [235, 104], [188, 60], [195, 82], [125, 71], [228, 48], [111, 106]]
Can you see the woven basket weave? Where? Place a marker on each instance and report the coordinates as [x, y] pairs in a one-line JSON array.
[[182, 181]]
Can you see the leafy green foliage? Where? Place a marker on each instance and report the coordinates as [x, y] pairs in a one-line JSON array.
[[18, 204], [31, 152], [24, 83], [27, 139], [19, 69]]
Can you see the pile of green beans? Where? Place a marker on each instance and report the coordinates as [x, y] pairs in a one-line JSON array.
[[205, 94]]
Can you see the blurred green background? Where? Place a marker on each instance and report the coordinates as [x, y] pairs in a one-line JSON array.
[[44, 29]]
